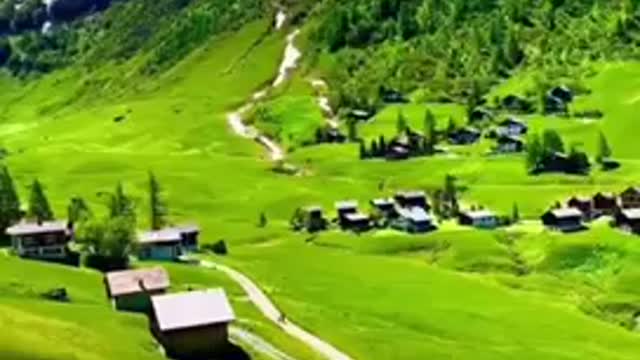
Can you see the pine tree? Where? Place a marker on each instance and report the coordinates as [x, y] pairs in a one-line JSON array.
[[352, 130], [382, 144], [604, 150], [451, 126], [375, 152], [262, 220], [552, 142], [450, 194], [9, 201], [535, 153], [121, 205], [429, 132], [78, 210], [401, 124], [39, 208], [158, 210], [363, 151], [515, 213]]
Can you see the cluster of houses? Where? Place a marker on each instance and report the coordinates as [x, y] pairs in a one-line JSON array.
[[507, 133], [189, 325], [50, 240], [623, 208], [407, 211]]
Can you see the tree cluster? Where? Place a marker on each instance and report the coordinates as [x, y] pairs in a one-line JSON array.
[[548, 153], [446, 49]]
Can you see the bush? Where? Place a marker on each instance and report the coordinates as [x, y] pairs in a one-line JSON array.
[[218, 248]]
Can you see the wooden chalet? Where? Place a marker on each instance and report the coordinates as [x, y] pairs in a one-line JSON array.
[[481, 219], [480, 114], [512, 127], [357, 222], [192, 325], [314, 220], [605, 203], [410, 199], [563, 93], [509, 144], [385, 207], [628, 220], [41, 240], [131, 290], [414, 220], [168, 243], [343, 208], [360, 114], [464, 136], [565, 219], [584, 204], [630, 198]]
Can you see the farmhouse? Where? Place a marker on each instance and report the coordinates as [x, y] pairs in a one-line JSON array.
[[630, 198], [357, 222], [413, 220], [584, 204], [192, 325], [167, 244], [509, 144], [131, 290], [345, 207], [512, 127], [481, 219], [605, 203], [464, 136], [563, 93], [314, 219], [385, 207], [410, 199], [391, 96], [43, 240], [628, 220], [516, 103], [566, 219], [554, 105], [480, 114]]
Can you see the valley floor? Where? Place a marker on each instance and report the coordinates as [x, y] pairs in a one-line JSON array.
[[453, 294]]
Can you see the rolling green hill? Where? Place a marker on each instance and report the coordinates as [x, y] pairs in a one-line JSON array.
[[148, 86]]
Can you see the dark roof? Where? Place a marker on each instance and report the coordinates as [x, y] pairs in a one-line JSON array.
[[192, 309], [412, 194], [606, 195], [347, 204], [313, 208], [128, 282], [512, 121], [566, 213], [31, 228], [635, 189], [509, 139]]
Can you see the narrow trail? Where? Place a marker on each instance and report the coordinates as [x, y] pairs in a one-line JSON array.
[[321, 87], [257, 343], [289, 63], [269, 310]]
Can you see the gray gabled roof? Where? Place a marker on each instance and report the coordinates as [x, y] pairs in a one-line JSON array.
[[566, 212], [479, 214], [347, 204], [32, 228], [382, 202], [416, 214], [160, 236], [631, 214], [192, 309], [356, 217], [130, 281]]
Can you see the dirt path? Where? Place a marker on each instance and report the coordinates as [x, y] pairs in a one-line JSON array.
[[257, 343], [268, 309], [321, 87], [289, 63]]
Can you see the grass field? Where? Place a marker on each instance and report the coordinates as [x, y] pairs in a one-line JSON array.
[[450, 295]]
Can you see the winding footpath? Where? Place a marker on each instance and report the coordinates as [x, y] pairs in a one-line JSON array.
[[321, 87], [289, 63], [269, 310], [257, 343]]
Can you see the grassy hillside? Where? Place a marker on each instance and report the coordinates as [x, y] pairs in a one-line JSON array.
[[518, 293]]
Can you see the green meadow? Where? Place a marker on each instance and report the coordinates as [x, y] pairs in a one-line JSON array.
[[454, 294]]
